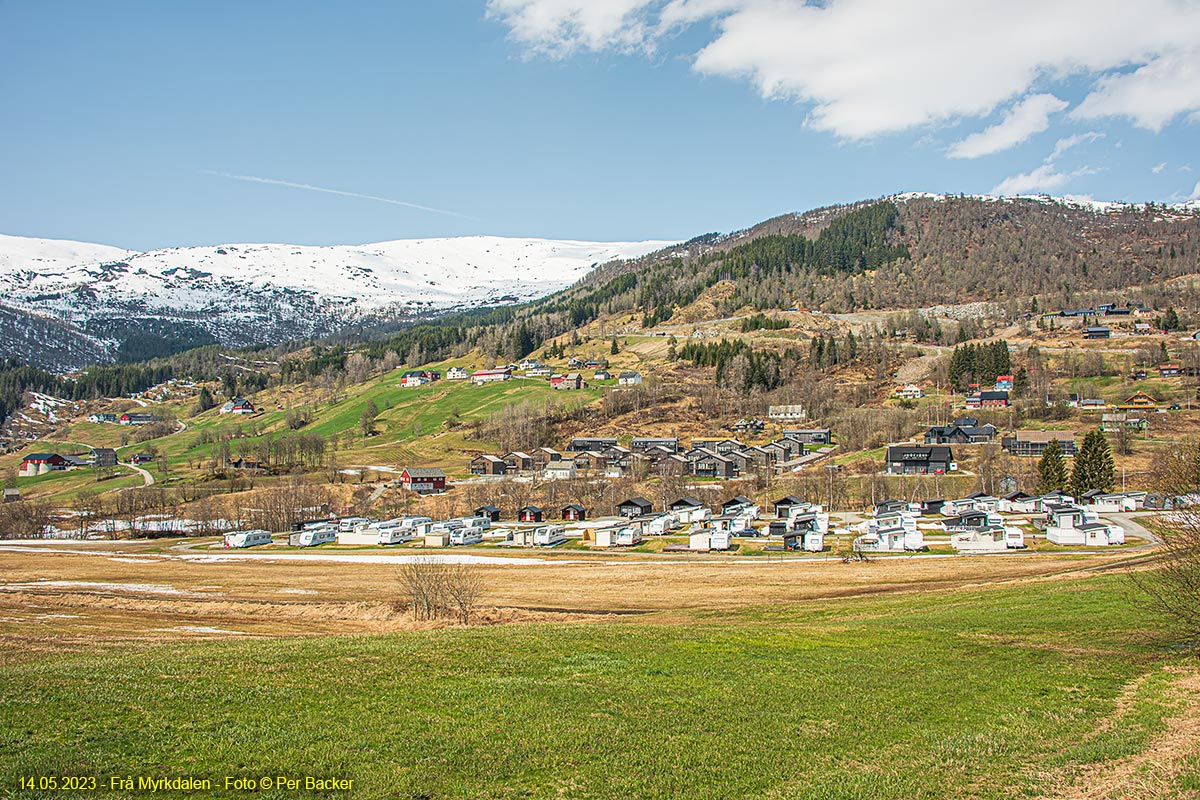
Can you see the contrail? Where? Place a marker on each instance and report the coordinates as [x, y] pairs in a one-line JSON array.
[[308, 187]]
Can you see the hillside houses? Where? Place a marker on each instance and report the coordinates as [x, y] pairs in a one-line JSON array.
[[137, 418], [484, 376]]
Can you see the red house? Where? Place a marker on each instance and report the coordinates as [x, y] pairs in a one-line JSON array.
[[574, 512], [423, 480]]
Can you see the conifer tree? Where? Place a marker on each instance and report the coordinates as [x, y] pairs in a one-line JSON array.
[[1170, 320], [1093, 466], [1052, 469]]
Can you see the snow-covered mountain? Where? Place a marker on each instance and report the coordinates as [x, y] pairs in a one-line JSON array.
[[244, 294]]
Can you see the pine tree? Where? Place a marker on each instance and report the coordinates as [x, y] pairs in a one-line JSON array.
[[1093, 466], [1052, 469], [1170, 320], [616, 348], [1021, 383], [672, 351]]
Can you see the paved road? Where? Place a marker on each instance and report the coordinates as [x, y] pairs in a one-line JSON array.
[[1133, 527], [147, 478]]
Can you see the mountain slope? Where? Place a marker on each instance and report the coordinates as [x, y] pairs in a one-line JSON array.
[[245, 294]]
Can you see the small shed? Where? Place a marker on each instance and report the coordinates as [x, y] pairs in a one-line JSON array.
[[635, 507], [489, 511], [529, 514], [574, 513]]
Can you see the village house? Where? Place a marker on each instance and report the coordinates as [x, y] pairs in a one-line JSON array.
[[917, 460], [423, 480], [587, 460], [1004, 383], [1169, 371], [1111, 423], [1142, 328], [706, 463], [528, 364], [1097, 332], [562, 470], [102, 457], [545, 456], [909, 392], [141, 458], [689, 510], [1138, 401], [457, 374], [992, 399], [517, 461], [629, 378], [739, 504], [602, 375], [643, 443], [1033, 443], [570, 381], [961, 434], [238, 405], [597, 443], [481, 376], [102, 419], [784, 504], [486, 464], [809, 435], [574, 513]]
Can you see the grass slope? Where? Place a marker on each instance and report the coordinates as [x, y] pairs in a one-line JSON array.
[[980, 693]]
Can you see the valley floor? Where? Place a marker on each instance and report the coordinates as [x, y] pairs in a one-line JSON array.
[[597, 678]]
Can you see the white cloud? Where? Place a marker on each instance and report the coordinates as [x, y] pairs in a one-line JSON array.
[[558, 28], [1030, 116], [1157, 168], [871, 67], [1195, 192], [1152, 95], [1043, 179], [1067, 142]]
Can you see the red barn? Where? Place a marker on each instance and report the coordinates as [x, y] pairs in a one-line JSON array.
[[423, 480]]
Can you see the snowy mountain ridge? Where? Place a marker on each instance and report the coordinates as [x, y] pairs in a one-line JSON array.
[[244, 294]]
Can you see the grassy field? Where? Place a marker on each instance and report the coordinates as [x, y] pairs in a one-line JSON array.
[[1035, 689]]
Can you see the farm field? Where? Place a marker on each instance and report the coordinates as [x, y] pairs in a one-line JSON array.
[[934, 678]]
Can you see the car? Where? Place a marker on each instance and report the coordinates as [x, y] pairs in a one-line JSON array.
[[1175, 407]]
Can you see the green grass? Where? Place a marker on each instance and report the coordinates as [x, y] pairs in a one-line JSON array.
[[981, 693]]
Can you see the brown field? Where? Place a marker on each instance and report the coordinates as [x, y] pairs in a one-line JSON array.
[[107, 592]]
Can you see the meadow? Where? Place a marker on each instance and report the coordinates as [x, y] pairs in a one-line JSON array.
[[1044, 688]]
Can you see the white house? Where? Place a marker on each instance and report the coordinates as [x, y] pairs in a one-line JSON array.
[[1076, 526], [413, 381], [457, 374], [909, 392], [482, 376], [629, 378], [988, 540], [563, 470]]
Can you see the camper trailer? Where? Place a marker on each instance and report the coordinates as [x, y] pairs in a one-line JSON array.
[[347, 524], [464, 535], [549, 535], [624, 536], [247, 538], [313, 536]]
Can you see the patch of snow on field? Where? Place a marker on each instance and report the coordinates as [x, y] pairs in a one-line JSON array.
[[138, 588]]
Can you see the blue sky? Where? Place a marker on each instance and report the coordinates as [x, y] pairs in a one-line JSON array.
[[148, 124]]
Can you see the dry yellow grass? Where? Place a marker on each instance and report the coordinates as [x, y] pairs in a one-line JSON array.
[[104, 592]]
